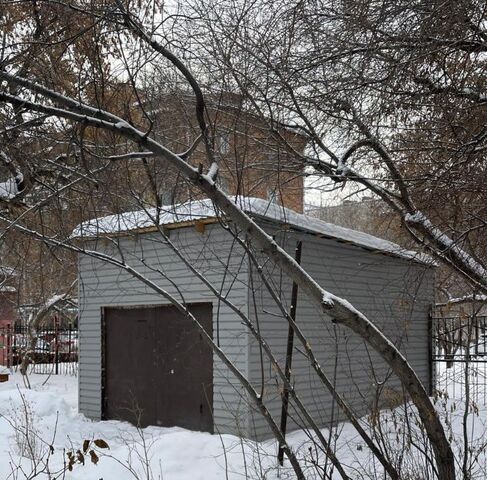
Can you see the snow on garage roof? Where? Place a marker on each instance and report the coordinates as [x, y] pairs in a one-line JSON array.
[[172, 215]]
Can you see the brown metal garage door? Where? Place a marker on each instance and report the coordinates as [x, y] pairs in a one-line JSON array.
[[157, 368]]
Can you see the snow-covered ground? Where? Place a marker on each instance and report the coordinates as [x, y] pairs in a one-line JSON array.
[[49, 413], [453, 380], [172, 452]]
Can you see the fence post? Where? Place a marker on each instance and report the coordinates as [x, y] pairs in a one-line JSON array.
[[9, 345], [3, 346], [56, 345], [477, 336], [69, 359], [431, 368], [69, 341]]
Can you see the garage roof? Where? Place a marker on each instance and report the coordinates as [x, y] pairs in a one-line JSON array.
[[179, 215]]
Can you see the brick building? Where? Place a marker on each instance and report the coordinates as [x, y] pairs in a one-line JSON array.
[[255, 159], [8, 297], [8, 313]]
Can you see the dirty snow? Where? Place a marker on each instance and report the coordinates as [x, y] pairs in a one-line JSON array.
[[256, 207]]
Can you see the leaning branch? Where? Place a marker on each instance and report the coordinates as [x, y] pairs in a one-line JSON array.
[[183, 309], [336, 308]]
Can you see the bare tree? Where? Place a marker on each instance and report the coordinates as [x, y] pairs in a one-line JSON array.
[[390, 95], [95, 129]]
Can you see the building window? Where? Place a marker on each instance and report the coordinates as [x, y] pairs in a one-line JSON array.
[[273, 195], [167, 196], [223, 142], [224, 184]]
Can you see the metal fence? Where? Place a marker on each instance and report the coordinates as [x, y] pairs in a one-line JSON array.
[[459, 357], [56, 350]]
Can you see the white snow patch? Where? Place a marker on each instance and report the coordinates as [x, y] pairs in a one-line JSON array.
[[7, 289], [8, 272], [468, 298], [9, 189], [256, 207], [178, 454], [472, 92], [328, 299]]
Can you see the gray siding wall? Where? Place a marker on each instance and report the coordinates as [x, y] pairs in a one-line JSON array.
[[102, 285], [395, 293]]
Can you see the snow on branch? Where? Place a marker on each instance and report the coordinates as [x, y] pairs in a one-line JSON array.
[[447, 246], [479, 298], [212, 172], [13, 186], [466, 92], [337, 309]]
